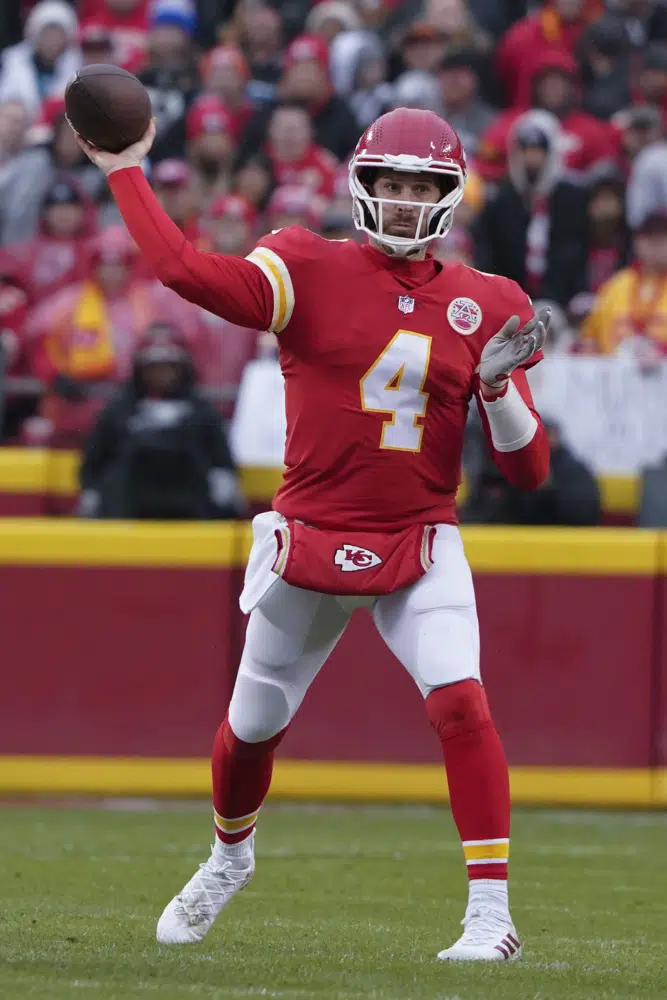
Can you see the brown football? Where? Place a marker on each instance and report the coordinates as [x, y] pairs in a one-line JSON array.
[[108, 107]]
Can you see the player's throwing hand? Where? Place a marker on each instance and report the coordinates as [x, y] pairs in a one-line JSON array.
[[511, 348], [133, 156]]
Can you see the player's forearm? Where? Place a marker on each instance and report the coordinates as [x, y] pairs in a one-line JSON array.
[[518, 440], [230, 287]]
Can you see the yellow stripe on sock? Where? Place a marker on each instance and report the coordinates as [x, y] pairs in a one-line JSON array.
[[236, 825], [477, 851]]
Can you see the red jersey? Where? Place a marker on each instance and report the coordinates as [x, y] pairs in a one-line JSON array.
[[379, 356]]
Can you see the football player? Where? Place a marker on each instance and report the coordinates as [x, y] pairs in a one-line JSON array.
[[382, 348]]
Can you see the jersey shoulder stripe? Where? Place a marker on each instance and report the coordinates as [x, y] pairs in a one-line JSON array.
[[275, 270]]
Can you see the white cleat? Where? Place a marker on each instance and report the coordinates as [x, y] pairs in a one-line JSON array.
[[488, 936], [190, 915]]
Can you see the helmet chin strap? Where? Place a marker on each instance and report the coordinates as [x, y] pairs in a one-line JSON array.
[[409, 253]]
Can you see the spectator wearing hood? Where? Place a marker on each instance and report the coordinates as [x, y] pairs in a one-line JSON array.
[[56, 157], [557, 26], [58, 254], [124, 23], [533, 229], [359, 74], [42, 65], [629, 315], [295, 159], [159, 449], [587, 142], [651, 79], [171, 73], [88, 330], [462, 106], [224, 74], [305, 79], [604, 52]]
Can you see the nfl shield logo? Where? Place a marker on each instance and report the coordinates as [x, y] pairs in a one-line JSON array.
[[406, 304]]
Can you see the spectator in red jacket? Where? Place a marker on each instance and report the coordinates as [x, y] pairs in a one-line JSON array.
[[13, 315], [587, 141], [174, 188], [295, 159], [127, 21], [224, 74], [58, 255], [556, 26], [294, 206]]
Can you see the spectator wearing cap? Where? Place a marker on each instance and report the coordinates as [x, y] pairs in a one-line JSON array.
[[629, 315], [211, 148], [159, 449], [358, 65], [58, 254], [647, 182], [604, 52], [532, 230], [462, 106], [174, 187], [259, 32], [331, 19], [556, 26], [230, 222], [422, 48], [651, 79], [417, 89], [41, 65], [295, 159], [636, 129], [224, 74], [53, 155], [124, 22], [294, 206], [587, 141], [305, 78], [171, 74]]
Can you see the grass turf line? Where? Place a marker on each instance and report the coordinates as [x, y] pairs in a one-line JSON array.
[[351, 904]]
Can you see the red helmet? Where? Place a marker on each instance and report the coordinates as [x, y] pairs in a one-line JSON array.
[[408, 140]]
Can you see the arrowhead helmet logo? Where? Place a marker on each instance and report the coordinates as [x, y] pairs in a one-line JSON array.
[[352, 558], [406, 304]]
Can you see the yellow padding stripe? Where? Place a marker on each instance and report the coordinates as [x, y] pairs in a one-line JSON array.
[[483, 852], [342, 781]]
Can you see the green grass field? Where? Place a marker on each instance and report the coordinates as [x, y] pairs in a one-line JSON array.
[[351, 904]]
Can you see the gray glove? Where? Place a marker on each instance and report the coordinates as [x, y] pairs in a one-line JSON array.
[[511, 348]]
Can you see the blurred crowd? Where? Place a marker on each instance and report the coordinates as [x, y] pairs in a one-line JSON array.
[[561, 107]]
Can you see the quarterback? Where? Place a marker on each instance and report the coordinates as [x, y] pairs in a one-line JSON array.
[[382, 349]]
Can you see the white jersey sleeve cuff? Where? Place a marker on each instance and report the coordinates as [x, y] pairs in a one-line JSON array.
[[275, 271]]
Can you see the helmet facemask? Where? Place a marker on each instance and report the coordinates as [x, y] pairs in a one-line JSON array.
[[368, 209]]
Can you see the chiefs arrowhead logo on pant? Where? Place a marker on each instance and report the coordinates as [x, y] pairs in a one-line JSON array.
[[351, 558]]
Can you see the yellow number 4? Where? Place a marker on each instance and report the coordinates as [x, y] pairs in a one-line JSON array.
[[394, 384]]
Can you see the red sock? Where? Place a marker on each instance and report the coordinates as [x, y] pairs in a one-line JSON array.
[[241, 778], [477, 775]]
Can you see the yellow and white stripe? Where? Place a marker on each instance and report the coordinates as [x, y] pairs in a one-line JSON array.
[[486, 852], [275, 271], [236, 825]]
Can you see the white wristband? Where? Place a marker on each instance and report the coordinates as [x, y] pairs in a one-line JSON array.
[[512, 424]]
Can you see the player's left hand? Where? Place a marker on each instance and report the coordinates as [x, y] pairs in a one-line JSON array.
[[511, 348]]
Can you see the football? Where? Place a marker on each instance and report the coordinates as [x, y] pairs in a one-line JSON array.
[[108, 107]]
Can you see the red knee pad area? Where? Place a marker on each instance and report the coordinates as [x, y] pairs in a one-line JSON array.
[[458, 708], [239, 748]]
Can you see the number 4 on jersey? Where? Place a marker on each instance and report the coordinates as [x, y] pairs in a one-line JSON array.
[[394, 384]]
